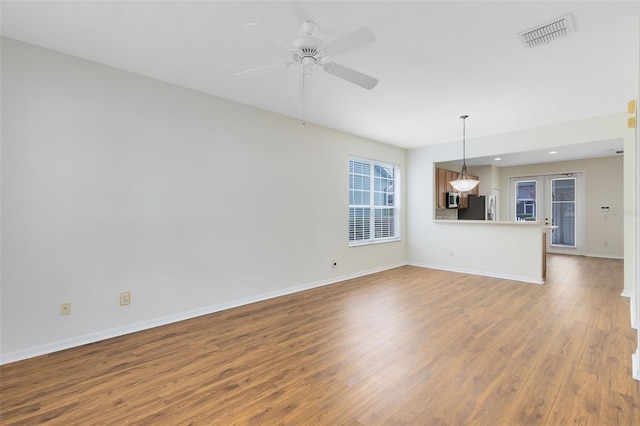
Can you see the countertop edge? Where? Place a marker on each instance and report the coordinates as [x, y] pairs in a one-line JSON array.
[[495, 222]]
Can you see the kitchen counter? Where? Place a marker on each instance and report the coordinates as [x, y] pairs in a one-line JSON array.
[[504, 249], [542, 225], [494, 222]]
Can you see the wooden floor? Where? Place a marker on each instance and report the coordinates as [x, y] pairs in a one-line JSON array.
[[409, 346]]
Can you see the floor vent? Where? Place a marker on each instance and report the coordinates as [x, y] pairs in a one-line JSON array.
[[547, 32]]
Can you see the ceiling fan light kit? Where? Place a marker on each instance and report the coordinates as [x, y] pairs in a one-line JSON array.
[[464, 183]]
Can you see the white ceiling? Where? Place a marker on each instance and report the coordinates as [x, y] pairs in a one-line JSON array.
[[435, 60], [606, 148]]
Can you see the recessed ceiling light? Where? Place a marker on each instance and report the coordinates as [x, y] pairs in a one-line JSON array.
[[497, 159], [553, 152]]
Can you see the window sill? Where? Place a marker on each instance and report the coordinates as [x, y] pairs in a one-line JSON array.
[[367, 243]]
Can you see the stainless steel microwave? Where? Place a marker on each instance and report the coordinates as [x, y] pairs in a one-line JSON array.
[[453, 200]]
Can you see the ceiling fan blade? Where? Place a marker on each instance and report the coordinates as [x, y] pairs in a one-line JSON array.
[[286, 64], [273, 35], [351, 75], [353, 40], [301, 12]]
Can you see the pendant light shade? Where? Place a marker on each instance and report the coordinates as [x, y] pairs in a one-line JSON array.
[[464, 183]]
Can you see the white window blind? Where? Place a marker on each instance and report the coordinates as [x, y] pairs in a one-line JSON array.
[[373, 202]]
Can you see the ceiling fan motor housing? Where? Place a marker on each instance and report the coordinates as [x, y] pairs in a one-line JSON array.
[[308, 53]]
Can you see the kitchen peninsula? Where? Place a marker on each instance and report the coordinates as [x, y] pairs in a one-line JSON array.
[[503, 249], [476, 243]]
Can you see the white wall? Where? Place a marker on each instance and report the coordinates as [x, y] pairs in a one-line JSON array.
[[115, 182], [603, 182], [425, 244]]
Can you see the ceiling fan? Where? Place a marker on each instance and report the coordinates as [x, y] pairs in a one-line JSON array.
[[311, 52]]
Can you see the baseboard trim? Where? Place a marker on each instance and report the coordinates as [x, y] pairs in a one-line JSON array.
[[605, 256], [635, 365], [157, 322], [633, 314], [626, 293], [481, 273]]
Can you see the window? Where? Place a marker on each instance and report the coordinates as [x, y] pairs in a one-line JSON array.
[[526, 200], [373, 202]]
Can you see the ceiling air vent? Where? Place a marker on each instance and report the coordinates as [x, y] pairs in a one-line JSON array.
[[547, 32]]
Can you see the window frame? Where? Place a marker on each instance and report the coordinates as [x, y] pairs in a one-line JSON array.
[[371, 205]]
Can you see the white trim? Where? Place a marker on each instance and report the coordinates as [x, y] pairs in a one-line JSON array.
[[481, 273], [360, 243], [157, 322], [635, 365], [603, 256], [632, 307], [625, 293]]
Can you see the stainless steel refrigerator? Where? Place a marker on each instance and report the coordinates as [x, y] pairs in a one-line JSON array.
[[476, 209]]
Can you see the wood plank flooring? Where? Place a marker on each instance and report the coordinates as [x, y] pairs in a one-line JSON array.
[[409, 346]]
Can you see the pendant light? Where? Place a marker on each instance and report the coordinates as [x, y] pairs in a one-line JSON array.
[[464, 183]]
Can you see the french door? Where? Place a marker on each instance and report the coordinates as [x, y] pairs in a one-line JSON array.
[[557, 200], [565, 210]]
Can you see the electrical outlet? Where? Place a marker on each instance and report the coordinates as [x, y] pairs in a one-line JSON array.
[[65, 309], [125, 298]]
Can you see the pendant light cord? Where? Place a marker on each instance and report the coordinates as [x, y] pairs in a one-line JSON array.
[[464, 118], [463, 172], [464, 183]]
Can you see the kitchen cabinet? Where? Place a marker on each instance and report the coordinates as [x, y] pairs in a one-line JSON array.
[[443, 177], [442, 186]]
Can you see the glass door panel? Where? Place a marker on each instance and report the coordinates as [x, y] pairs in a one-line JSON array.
[[526, 200], [563, 212], [565, 207]]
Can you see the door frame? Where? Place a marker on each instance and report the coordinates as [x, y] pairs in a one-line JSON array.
[[580, 214]]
